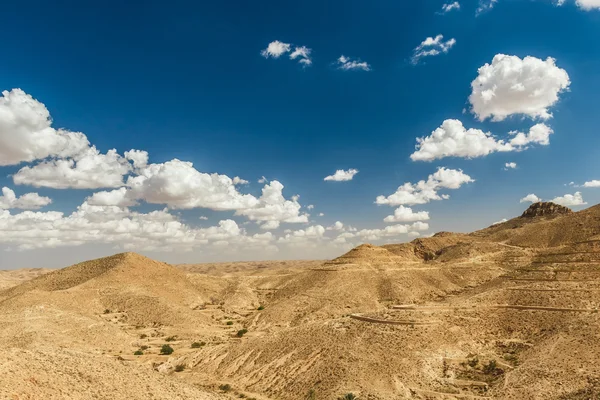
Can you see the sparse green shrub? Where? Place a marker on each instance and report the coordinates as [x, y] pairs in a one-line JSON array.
[[511, 358], [349, 396], [138, 353], [179, 368], [166, 350], [242, 396], [143, 336], [107, 311], [241, 332], [311, 395], [229, 322], [197, 345], [490, 368], [226, 387], [473, 362], [260, 308], [171, 339], [144, 347]]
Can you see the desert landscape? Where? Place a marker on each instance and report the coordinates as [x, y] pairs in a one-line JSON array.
[[506, 312]]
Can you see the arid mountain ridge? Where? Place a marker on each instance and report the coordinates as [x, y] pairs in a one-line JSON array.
[[507, 312]]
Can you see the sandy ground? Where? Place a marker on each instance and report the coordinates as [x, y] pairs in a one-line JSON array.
[[509, 312]]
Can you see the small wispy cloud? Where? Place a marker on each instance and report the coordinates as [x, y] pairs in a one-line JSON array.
[[432, 46], [348, 64], [342, 175], [302, 53], [276, 49], [446, 8], [485, 5]]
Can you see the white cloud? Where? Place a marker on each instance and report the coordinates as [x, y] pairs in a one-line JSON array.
[[419, 226], [304, 237], [118, 197], [321, 215], [276, 49], [414, 234], [272, 206], [530, 198], [510, 85], [26, 133], [510, 165], [450, 6], [406, 214], [347, 64], [538, 134], [156, 230], [179, 185], [302, 53], [28, 201], [485, 5], [239, 181], [338, 226], [203, 218], [503, 220], [263, 180], [592, 184], [342, 175], [270, 225], [569, 200], [388, 231], [425, 191], [452, 139], [588, 5], [432, 47], [138, 157], [68, 158], [87, 170], [310, 207]]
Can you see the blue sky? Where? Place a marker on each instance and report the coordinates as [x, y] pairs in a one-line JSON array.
[[187, 81]]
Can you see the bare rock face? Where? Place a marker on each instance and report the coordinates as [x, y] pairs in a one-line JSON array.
[[545, 209]]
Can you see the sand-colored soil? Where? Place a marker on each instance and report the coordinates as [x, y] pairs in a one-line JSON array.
[[508, 312]]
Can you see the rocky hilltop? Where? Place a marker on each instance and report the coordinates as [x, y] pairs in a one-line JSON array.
[[544, 209]]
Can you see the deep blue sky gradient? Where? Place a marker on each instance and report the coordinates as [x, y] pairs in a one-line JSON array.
[[185, 80]]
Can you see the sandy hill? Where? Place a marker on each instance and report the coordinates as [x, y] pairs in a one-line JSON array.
[[507, 312], [10, 278], [370, 255]]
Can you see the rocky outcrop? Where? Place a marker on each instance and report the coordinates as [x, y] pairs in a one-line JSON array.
[[545, 209]]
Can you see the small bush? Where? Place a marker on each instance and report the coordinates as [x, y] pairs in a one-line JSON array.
[[179, 368], [511, 358], [171, 339], [349, 396], [144, 347], [260, 308], [225, 388], [229, 322], [490, 368], [241, 332], [143, 336], [197, 345], [138, 353], [166, 350], [311, 395], [107, 311], [473, 362]]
